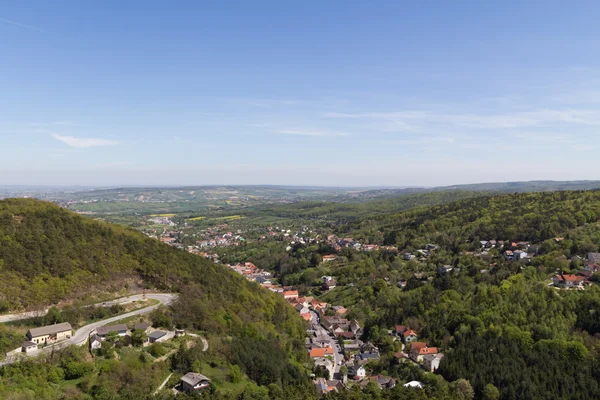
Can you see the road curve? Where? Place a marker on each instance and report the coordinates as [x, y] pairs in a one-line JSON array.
[[81, 335], [40, 313]]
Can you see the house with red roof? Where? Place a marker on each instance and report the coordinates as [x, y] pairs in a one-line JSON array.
[[568, 281], [321, 352], [290, 294], [418, 352]]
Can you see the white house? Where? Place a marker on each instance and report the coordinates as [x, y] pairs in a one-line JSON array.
[[28, 347]]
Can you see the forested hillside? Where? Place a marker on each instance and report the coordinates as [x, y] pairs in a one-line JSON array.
[[48, 254], [529, 216], [499, 322]]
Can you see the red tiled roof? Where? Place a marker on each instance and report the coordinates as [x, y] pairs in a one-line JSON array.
[[321, 352], [417, 346], [401, 328], [427, 350], [569, 278]]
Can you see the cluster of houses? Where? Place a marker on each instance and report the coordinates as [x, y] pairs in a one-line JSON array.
[[220, 240], [100, 334], [428, 357], [339, 243], [158, 220], [583, 276], [421, 254]]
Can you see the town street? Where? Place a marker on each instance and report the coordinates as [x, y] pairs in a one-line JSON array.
[[337, 354]]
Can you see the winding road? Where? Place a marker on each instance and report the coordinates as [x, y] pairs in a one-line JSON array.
[[81, 335]]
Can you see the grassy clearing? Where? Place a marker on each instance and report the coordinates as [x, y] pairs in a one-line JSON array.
[[197, 218], [163, 215]]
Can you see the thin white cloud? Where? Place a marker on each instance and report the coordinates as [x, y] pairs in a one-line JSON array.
[[428, 140], [83, 142], [15, 23], [315, 133], [526, 119]]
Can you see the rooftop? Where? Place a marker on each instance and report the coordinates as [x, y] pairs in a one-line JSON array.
[[50, 329], [194, 378]]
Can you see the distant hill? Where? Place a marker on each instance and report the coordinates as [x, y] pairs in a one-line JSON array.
[[489, 187]]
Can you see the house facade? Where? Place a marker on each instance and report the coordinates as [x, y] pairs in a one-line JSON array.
[[28, 347], [50, 334], [431, 362]]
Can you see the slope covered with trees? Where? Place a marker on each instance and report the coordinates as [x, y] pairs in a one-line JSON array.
[[48, 254]]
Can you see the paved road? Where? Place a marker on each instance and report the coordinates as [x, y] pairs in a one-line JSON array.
[[41, 313], [81, 335], [337, 354]]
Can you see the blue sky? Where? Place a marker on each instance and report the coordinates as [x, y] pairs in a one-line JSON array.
[[306, 93]]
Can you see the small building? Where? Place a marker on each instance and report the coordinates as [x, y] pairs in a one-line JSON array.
[[414, 385], [192, 382], [179, 332], [50, 333], [329, 257], [95, 342], [431, 362], [355, 327], [417, 353], [409, 336], [157, 336], [364, 358], [568, 281], [384, 382], [120, 330], [28, 347], [357, 372], [290, 294]]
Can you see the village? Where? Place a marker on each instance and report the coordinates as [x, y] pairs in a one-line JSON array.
[[341, 359]]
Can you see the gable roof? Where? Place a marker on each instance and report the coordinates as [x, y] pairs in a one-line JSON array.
[[401, 328], [105, 330], [417, 346], [193, 378], [425, 351], [49, 330], [569, 278]]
